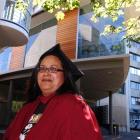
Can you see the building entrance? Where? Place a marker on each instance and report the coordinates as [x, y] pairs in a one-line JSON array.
[[12, 98]]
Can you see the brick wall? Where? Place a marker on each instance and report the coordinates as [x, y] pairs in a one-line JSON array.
[[17, 58], [67, 33]]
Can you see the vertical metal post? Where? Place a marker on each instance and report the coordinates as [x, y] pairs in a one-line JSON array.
[[110, 112], [9, 104]]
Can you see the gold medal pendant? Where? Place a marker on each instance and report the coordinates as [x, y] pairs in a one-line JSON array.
[[35, 118]]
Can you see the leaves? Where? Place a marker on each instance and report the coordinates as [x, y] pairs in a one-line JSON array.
[[101, 9], [60, 15], [113, 9], [61, 6], [22, 5]]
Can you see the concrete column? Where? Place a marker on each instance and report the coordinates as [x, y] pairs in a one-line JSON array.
[[78, 84], [128, 101], [110, 112], [127, 91], [9, 104]]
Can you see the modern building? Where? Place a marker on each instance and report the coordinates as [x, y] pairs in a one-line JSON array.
[[103, 59], [134, 80], [130, 88]]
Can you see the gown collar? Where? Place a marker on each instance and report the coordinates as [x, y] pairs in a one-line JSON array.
[[45, 99]]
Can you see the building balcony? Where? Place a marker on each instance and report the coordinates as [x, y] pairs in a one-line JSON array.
[[103, 75], [92, 49], [14, 25]]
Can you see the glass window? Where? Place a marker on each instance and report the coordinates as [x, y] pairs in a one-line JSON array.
[[5, 56], [135, 100], [132, 85], [91, 43], [138, 72], [131, 70], [135, 85], [135, 71], [135, 57], [135, 44]]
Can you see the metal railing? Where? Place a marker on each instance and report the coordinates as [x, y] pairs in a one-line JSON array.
[[14, 15], [89, 49]]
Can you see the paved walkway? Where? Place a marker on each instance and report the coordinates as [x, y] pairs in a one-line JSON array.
[[134, 135]]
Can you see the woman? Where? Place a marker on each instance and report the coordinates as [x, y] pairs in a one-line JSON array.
[[54, 110]]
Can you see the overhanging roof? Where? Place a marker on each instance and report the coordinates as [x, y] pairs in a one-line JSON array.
[[102, 75]]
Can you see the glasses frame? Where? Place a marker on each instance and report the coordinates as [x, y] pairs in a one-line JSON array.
[[52, 69]]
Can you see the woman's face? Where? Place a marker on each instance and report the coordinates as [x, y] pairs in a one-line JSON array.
[[50, 77]]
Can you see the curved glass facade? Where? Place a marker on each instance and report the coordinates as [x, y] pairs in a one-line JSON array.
[[91, 43], [12, 14], [5, 56], [41, 38]]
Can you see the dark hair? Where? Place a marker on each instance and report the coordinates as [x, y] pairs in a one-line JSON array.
[[69, 84]]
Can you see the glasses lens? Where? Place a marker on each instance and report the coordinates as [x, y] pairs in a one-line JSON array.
[[41, 69], [52, 69]]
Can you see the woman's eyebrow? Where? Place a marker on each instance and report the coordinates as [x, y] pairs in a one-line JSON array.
[[50, 65]]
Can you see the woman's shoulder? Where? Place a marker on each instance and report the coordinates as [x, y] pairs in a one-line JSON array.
[[74, 105], [70, 99], [70, 96]]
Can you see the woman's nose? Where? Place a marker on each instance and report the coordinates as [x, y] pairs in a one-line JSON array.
[[46, 72]]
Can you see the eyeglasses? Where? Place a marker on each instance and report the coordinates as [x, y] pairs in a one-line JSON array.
[[51, 69]]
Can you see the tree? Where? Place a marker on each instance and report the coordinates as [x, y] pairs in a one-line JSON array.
[[101, 9]]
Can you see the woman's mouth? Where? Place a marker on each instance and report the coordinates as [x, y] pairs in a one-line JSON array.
[[47, 80]]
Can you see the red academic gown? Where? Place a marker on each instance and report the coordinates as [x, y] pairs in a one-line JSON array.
[[66, 117]]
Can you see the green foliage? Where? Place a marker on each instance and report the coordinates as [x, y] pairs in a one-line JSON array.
[[58, 6], [51, 5], [101, 9], [113, 9], [16, 105], [22, 5]]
